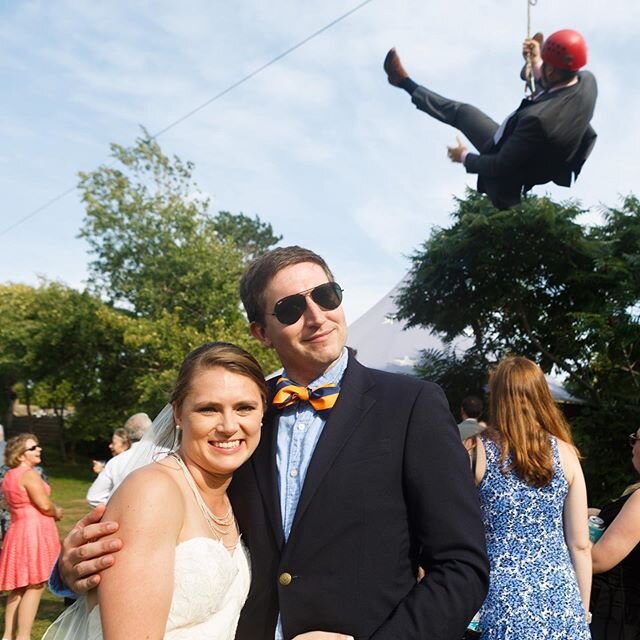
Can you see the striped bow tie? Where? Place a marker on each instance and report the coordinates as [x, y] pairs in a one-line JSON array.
[[321, 398]]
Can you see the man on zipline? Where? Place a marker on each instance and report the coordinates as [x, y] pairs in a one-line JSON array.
[[548, 137]]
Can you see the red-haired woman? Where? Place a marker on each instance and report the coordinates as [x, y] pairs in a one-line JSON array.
[[534, 506]]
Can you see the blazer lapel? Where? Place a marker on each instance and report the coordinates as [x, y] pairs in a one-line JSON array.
[[352, 405], [264, 467]]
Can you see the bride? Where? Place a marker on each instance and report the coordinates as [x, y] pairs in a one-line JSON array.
[[183, 572]]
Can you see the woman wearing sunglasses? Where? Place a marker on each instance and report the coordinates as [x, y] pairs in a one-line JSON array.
[[31, 546], [615, 595]]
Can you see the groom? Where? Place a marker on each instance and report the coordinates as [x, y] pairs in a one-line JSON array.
[[348, 492]]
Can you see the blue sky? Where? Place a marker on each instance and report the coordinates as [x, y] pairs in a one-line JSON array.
[[319, 145]]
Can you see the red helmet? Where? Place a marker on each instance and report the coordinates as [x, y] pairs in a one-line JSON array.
[[565, 49]]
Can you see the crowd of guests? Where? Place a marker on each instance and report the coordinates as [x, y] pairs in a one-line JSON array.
[[390, 486]]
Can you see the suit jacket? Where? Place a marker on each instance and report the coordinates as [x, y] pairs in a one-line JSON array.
[[388, 488], [547, 139]]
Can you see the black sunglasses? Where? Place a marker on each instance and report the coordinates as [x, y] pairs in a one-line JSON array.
[[633, 438], [289, 310], [32, 448]]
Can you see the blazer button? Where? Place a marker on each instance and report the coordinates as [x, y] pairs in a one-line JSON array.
[[285, 579]]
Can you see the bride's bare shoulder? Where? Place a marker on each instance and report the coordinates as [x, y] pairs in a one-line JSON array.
[[156, 484]]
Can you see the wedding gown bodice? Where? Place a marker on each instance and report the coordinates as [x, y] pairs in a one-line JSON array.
[[210, 587]]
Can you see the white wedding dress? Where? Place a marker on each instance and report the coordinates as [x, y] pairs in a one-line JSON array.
[[210, 587]]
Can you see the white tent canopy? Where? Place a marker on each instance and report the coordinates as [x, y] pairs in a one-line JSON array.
[[382, 342]]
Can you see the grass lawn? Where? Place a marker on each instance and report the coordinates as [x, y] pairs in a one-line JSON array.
[[69, 484]]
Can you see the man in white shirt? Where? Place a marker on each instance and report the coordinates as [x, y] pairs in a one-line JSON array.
[[113, 473]]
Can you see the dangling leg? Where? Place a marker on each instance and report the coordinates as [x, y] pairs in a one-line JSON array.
[[476, 125], [28, 610], [11, 612]]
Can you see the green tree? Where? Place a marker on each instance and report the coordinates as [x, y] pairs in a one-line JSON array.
[[157, 249], [533, 281], [250, 235], [527, 280], [164, 280], [66, 349], [161, 257]]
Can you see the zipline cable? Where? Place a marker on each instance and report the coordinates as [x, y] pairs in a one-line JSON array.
[[219, 95]]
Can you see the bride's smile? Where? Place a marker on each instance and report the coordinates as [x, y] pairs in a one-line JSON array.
[[220, 419], [228, 444]]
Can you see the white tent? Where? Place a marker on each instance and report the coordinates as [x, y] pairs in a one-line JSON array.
[[382, 342]]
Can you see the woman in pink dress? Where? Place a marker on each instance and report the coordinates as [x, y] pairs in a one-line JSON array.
[[31, 546]]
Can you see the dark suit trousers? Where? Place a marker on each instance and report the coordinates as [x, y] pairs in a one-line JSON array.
[[476, 125]]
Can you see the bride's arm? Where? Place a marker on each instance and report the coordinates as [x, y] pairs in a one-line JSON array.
[[135, 593]]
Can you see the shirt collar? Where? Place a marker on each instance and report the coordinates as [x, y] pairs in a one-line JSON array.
[[332, 375]]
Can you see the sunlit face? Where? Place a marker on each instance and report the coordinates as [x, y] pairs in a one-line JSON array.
[[220, 419], [118, 445], [32, 454], [309, 346]]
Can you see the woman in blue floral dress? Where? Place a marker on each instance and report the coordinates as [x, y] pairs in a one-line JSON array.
[[534, 506]]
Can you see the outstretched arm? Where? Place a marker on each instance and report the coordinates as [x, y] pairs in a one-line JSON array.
[[619, 538]]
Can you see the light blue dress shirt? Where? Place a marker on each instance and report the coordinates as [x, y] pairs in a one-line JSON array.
[[299, 429]]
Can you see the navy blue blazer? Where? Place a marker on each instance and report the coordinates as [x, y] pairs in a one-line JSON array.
[[388, 488], [547, 139]]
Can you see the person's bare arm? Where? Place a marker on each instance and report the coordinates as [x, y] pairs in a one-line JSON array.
[[150, 509], [85, 551], [619, 538], [576, 529], [481, 461], [32, 482]]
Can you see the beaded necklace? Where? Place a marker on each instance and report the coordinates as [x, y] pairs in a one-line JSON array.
[[219, 525]]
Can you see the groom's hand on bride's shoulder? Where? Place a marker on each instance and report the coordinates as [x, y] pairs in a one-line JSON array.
[[85, 553]]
